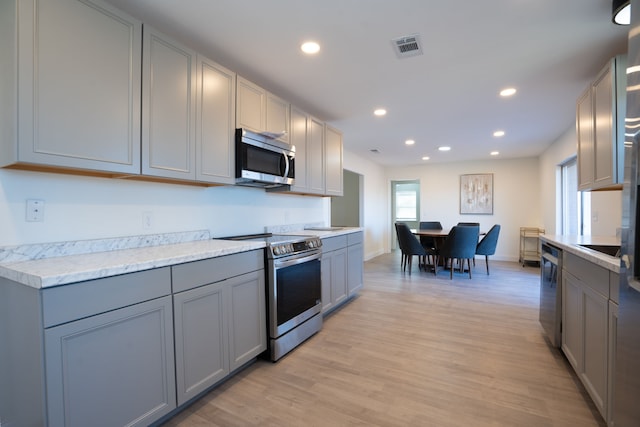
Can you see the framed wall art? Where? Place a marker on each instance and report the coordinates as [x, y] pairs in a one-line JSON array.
[[476, 194]]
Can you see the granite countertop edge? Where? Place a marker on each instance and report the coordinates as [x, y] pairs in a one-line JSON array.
[[54, 271], [569, 244], [43, 266]]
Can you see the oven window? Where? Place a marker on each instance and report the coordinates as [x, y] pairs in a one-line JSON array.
[[298, 289]]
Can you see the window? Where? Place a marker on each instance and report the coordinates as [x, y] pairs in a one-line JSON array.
[[576, 205]]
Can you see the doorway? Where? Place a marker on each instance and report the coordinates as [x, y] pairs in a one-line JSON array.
[[346, 211], [405, 206]]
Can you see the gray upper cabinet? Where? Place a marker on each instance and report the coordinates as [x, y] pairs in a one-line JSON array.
[[251, 106], [600, 117], [215, 123], [76, 103], [168, 108], [278, 113], [298, 139], [261, 111], [333, 171], [315, 156]]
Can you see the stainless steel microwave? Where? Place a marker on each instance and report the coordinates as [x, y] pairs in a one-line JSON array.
[[262, 161]]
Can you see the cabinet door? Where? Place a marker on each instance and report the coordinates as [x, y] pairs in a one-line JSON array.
[[116, 368], [326, 268], [596, 345], [355, 259], [79, 86], [315, 156], [604, 129], [613, 332], [586, 140], [202, 351], [215, 123], [338, 276], [251, 104], [299, 141], [278, 116], [248, 321], [168, 108], [572, 320], [333, 173]]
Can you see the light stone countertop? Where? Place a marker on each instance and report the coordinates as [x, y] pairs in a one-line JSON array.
[[324, 233], [46, 272], [569, 244]]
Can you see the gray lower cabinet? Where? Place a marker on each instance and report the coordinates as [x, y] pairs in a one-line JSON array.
[[108, 350], [342, 267], [220, 320], [586, 325], [112, 369], [355, 262]]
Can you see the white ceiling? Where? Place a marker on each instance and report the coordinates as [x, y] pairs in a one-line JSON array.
[[549, 50]]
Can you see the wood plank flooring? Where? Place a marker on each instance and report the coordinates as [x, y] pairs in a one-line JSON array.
[[414, 350]]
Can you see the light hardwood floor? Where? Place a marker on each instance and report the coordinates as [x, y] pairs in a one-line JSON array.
[[414, 350]]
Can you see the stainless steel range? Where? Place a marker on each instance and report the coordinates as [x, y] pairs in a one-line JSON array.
[[294, 301]]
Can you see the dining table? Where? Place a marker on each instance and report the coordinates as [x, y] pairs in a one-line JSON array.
[[439, 237]]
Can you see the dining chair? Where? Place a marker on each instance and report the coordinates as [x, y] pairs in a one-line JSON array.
[[459, 245], [410, 246], [403, 257], [469, 223], [428, 242], [487, 246]]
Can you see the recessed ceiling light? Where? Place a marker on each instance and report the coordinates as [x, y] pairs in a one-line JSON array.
[[498, 133], [444, 148], [409, 142], [310, 47], [426, 158], [380, 112], [510, 91], [495, 153]]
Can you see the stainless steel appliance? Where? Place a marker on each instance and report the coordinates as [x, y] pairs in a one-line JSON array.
[[626, 411], [262, 161], [551, 292], [294, 301]]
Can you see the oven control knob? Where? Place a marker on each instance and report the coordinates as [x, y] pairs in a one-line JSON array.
[[276, 250]]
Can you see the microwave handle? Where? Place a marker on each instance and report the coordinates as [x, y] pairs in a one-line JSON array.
[[286, 164]]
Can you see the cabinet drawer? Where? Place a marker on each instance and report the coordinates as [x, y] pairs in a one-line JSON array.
[[592, 275], [614, 286], [334, 243], [199, 273], [71, 302], [355, 238]]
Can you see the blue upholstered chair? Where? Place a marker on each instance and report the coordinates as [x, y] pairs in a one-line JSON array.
[[487, 245], [427, 242], [410, 246], [459, 245]]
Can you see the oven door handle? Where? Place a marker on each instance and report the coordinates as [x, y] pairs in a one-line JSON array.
[[289, 263]]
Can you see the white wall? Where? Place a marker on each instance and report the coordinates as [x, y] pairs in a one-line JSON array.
[[516, 197], [78, 208], [376, 212], [606, 206]]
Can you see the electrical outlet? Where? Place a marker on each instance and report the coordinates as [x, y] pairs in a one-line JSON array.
[[147, 220], [35, 210]]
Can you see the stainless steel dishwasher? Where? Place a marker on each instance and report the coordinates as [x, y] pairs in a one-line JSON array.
[[551, 292]]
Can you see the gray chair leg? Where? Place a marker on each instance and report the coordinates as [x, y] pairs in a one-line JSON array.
[[486, 259]]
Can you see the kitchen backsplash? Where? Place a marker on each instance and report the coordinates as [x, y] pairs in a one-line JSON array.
[[20, 253]]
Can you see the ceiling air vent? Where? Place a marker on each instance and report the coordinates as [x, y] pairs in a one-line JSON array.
[[407, 46]]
